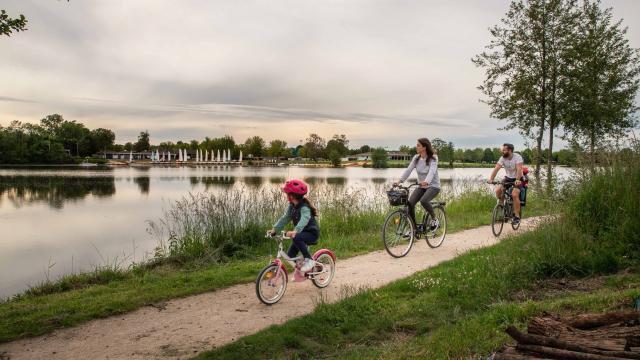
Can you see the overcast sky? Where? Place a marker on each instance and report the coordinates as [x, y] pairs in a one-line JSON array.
[[381, 72]]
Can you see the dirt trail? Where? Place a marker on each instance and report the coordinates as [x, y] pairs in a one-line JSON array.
[[197, 323]]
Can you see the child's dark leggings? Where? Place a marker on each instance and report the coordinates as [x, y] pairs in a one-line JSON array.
[[300, 242]]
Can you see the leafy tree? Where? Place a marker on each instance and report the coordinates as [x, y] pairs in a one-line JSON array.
[[128, 146], [339, 144], [488, 155], [406, 149], [143, 142], [72, 133], [8, 25], [458, 155], [445, 150], [365, 149], [379, 158], [497, 153], [525, 67], [314, 147], [194, 145], [102, 138], [527, 155], [335, 158], [603, 78], [255, 146], [277, 148], [566, 157]]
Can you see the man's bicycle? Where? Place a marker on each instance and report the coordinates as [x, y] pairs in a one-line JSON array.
[[503, 211], [399, 230], [273, 278]]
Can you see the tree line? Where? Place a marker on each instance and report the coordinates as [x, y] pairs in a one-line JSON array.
[[56, 140], [52, 141]]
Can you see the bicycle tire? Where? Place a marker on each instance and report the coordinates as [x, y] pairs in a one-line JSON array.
[[497, 222], [401, 219], [441, 215]]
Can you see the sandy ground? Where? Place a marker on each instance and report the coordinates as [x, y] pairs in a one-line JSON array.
[[187, 326]]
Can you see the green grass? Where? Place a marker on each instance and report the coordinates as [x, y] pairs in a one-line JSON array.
[[78, 298], [397, 320], [460, 308]]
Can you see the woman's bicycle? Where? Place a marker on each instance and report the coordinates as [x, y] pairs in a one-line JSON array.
[[399, 230], [503, 211], [273, 278]]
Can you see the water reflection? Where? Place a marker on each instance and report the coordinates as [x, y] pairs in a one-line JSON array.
[[336, 181], [253, 181], [213, 181], [277, 180], [55, 190], [143, 184]]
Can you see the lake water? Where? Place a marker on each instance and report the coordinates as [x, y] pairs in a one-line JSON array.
[[57, 221]]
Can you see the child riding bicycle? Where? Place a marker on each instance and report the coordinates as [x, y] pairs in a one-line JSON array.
[[303, 215]]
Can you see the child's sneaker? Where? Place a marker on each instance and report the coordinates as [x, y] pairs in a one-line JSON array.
[[307, 265]]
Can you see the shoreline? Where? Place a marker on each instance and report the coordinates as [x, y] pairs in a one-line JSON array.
[[113, 165]]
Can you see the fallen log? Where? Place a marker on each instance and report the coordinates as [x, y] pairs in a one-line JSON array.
[[562, 354], [606, 338], [590, 321], [631, 341], [533, 339]]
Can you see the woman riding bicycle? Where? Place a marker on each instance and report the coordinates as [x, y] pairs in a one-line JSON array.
[[426, 164]]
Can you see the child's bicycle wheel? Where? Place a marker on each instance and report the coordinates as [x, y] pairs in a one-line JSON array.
[[271, 284], [327, 268]]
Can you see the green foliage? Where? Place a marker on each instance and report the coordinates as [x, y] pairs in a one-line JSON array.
[[254, 146], [143, 143], [603, 78], [379, 158], [278, 148], [335, 158], [315, 146], [409, 150], [608, 204], [8, 25], [339, 144]]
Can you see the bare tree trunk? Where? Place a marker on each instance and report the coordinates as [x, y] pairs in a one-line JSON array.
[[552, 125], [543, 95]]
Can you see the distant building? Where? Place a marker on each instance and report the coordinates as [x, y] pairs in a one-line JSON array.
[[124, 155], [391, 155]]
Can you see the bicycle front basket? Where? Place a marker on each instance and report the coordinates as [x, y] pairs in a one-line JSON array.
[[397, 197]]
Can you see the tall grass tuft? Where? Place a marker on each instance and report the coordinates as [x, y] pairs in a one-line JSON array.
[[608, 204], [216, 226]]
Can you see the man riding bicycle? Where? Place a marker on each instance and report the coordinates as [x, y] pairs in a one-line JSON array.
[[512, 164]]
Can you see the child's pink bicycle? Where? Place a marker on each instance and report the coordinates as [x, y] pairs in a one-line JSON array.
[[272, 281]]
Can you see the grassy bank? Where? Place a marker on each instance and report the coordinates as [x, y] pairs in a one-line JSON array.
[[197, 266], [460, 308]]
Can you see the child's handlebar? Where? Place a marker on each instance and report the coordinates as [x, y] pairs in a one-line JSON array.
[[283, 235]]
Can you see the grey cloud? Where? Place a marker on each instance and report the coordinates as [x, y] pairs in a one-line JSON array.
[[360, 65], [6, 98]]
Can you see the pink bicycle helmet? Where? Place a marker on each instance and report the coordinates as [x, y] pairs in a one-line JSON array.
[[295, 186]]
